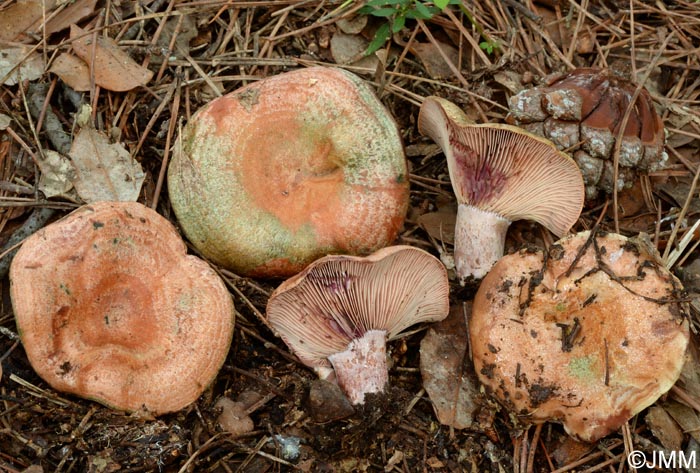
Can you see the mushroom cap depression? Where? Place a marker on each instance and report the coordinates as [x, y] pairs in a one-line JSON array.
[[270, 177], [589, 335], [339, 298], [110, 307], [505, 170]]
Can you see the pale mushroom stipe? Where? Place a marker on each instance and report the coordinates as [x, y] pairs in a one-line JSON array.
[[587, 334], [499, 174], [110, 307], [306, 163], [338, 313]]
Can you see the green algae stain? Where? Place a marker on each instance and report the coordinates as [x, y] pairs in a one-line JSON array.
[[584, 367]]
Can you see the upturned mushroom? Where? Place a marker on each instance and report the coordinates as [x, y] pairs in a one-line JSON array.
[[587, 334], [110, 307], [270, 177], [499, 173], [338, 313]]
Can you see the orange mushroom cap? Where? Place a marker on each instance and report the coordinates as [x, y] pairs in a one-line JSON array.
[[270, 177], [588, 334], [341, 309], [500, 173], [110, 307]]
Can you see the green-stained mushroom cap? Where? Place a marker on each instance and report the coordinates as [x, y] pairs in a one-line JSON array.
[[588, 334], [276, 174], [110, 307]]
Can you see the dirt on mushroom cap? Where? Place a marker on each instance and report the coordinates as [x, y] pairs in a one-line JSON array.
[[288, 169], [110, 307], [588, 336]]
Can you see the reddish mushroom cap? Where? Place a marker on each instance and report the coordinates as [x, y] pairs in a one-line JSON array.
[[110, 307], [500, 173], [336, 301], [278, 173], [588, 336]]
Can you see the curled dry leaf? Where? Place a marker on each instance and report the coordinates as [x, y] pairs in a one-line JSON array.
[[664, 428], [31, 65], [113, 68], [686, 417], [4, 121], [56, 174], [104, 171], [444, 359], [72, 71]]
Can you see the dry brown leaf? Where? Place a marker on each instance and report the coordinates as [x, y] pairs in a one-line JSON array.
[[440, 225], [72, 71], [113, 68], [104, 170], [18, 17], [187, 32], [70, 15], [31, 64], [568, 450], [444, 365], [686, 417], [430, 56], [664, 428]]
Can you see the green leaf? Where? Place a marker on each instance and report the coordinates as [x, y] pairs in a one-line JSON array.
[[383, 12], [380, 37], [423, 10], [441, 4], [487, 46], [420, 12], [398, 24]]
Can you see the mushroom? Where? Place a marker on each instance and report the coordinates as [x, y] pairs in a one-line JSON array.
[[337, 314], [110, 307], [270, 177], [499, 173], [587, 334]]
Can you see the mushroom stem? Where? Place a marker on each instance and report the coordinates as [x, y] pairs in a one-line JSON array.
[[480, 237], [362, 368]]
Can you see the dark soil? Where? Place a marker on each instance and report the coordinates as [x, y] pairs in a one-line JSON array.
[[236, 42]]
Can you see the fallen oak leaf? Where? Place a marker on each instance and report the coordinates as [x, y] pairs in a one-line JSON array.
[[113, 69]]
